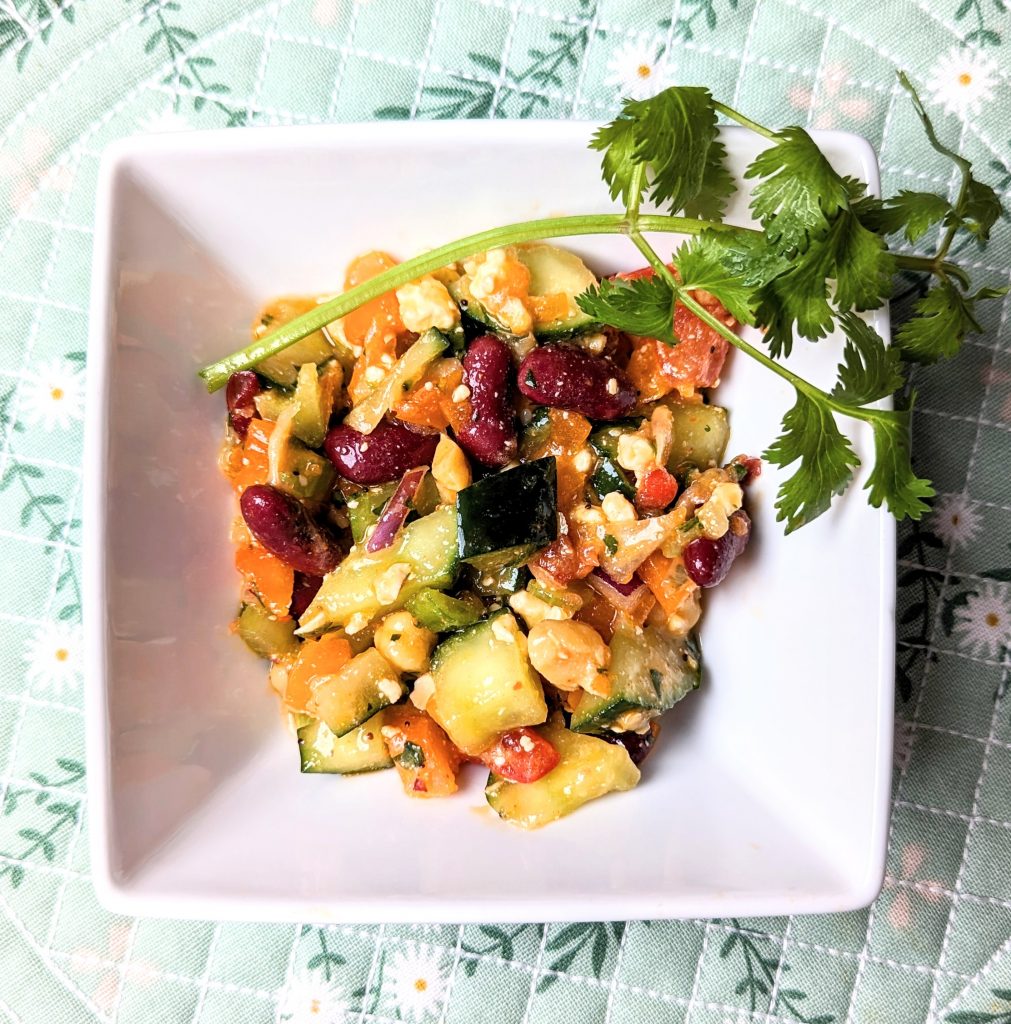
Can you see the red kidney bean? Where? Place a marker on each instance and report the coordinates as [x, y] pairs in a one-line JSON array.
[[490, 434], [708, 561], [284, 527], [569, 378], [377, 458], [638, 745], [305, 589], [240, 391]]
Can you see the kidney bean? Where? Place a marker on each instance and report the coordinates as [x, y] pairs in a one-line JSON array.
[[305, 589], [490, 434], [284, 527], [638, 745], [240, 391], [707, 561], [570, 378], [377, 458]]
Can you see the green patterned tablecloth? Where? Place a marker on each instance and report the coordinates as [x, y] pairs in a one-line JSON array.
[[75, 74]]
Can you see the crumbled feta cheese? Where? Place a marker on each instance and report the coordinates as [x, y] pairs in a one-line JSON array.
[[714, 515], [374, 374], [390, 689], [460, 393], [635, 453], [425, 304], [611, 386], [387, 586], [504, 628], [356, 623], [325, 740], [617, 508], [534, 610], [424, 690], [583, 460], [526, 743]]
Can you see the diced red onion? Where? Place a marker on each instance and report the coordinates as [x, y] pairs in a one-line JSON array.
[[396, 511], [623, 596]]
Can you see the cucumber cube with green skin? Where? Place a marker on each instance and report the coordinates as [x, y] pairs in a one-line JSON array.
[[271, 402], [428, 549], [314, 400], [484, 684], [266, 636], [650, 672], [365, 508], [443, 614], [588, 768], [361, 750], [609, 477], [282, 367], [700, 434], [357, 691], [505, 517]]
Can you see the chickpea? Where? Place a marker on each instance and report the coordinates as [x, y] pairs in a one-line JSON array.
[[405, 644], [570, 655], [450, 469]]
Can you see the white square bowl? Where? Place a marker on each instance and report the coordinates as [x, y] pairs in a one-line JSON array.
[[769, 791]]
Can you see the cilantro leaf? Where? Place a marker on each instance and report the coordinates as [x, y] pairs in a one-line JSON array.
[[798, 300], [699, 263], [643, 306], [827, 461], [912, 213], [939, 324], [747, 256], [892, 480], [861, 264], [800, 193], [870, 370], [672, 134], [717, 186]]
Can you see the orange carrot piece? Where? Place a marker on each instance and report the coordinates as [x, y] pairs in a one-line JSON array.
[[317, 659], [269, 577]]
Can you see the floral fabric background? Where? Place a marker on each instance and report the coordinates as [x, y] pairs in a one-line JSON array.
[[75, 74]]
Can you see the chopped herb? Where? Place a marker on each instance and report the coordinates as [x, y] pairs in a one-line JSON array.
[[656, 678], [610, 543], [412, 757], [690, 524], [395, 637]]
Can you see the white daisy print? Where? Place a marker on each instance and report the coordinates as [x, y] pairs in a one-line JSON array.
[[956, 520], [637, 70], [161, 121], [52, 395], [310, 999], [962, 80], [54, 656], [416, 983], [983, 625]]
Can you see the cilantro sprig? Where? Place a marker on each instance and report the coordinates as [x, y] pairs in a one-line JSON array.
[[824, 252]]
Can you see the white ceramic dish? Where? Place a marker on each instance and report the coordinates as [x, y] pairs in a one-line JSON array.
[[769, 792]]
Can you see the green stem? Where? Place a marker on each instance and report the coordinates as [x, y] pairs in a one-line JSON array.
[[736, 115], [216, 375], [936, 265]]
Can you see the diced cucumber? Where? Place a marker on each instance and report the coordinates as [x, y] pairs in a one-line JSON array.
[[484, 684], [266, 636], [365, 508], [428, 546], [361, 750], [553, 272], [364, 685], [271, 402], [315, 393], [609, 477], [293, 468], [282, 368], [650, 672], [534, 439], [405, 374], [605, 440], [589, 768], [496, 583], [441, 613], [504, 518], [700, 434]]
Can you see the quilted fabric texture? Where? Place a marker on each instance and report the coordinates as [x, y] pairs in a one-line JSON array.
[[75, 74]]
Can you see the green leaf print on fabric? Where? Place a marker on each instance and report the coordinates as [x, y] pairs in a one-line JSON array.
[[571, 940], [975, 13], [690, 13], [192, 73], [23, 23], [1000, 1016], [37, 837]]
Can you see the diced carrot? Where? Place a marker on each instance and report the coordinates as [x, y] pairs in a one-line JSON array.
[[426, 759], [253, 468], [374, 326], [317, 659], [268, 576]]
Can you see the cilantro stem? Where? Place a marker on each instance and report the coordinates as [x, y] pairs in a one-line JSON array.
[[216, 375], [935, 265], [736, 115]]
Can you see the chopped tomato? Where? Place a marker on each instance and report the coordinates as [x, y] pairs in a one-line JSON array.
[[268, 576], [317, 659], [657, 490], [426, 759], [373, 326], [251, 467], [521, 755]]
